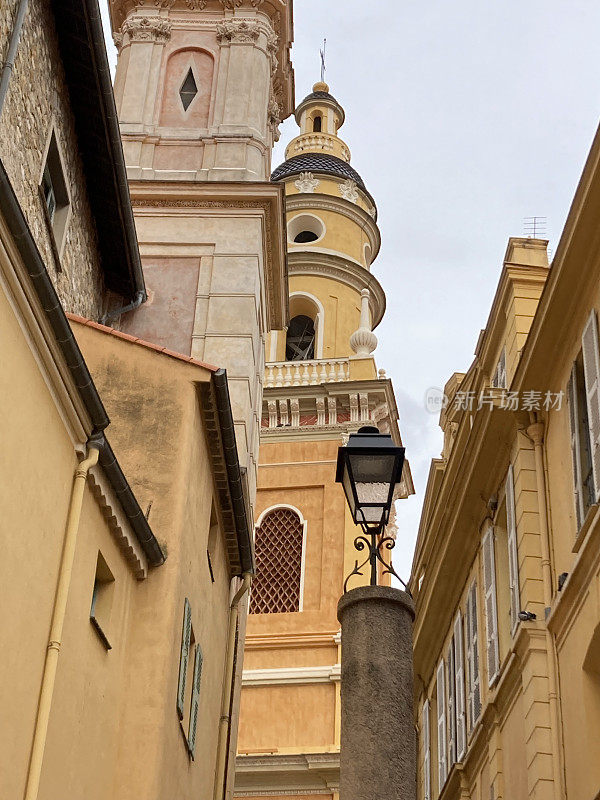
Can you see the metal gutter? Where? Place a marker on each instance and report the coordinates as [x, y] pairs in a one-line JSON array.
[[12, 50], [130, 505], [234, 474], [17, 225]]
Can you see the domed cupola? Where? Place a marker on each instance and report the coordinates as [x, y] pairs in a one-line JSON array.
[[333, 237]]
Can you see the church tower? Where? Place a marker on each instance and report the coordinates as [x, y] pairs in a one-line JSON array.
[[321, 384], [200, 88]]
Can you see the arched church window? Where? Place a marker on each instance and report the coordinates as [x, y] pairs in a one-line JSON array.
[[278, 547], [317, 124], [305, 236], [300, 341]]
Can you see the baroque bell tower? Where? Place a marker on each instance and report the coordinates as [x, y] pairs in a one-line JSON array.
[[321, 384], [200, 88]]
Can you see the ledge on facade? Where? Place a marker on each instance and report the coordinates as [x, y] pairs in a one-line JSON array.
[[83, 53], [269, 773], [268, 199]]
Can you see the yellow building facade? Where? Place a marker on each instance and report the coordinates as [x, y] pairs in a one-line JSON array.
[[321, 383], [506, 574]]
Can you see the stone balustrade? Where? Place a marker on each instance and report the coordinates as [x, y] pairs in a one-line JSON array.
[[306, 373]]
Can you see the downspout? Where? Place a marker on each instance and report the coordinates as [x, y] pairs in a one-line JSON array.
[[12, 51], [116, 312], [536, 433], [225, 719], [58, 619]]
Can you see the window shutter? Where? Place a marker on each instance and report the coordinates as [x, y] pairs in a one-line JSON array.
[[441, 725], [491, 610], [198, 659], [426, 751], [591, 367], [183, 659], [513, 554], [461, 728], [471, 647], [576, 447], [451, 706]]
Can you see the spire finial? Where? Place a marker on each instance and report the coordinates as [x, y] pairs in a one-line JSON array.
[[323, 67]]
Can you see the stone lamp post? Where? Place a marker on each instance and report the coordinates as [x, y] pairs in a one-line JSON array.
[[378, 744]]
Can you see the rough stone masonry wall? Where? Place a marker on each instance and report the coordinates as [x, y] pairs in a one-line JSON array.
[[37, 99]]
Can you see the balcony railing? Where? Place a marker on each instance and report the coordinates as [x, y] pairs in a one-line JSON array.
[[306, 373]]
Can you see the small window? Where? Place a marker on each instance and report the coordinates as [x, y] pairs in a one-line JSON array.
[[278, 543], [54, 194], [583, 475], [300, 341], [317, 124], [213, 538], [189, 90], [102, 599], [305, 228], [499, 379]]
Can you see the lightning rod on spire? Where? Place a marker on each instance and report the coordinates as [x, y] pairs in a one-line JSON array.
[[323, 68]]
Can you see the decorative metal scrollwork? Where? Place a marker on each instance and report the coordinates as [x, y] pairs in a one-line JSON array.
[[373, 540]]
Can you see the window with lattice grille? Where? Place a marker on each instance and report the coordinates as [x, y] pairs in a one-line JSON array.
[[278, 545]]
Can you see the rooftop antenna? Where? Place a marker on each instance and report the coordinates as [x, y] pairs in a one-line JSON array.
[[323, 68], [535, 227]]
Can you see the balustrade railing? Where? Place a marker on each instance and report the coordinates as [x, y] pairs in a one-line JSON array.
[[306, 373]]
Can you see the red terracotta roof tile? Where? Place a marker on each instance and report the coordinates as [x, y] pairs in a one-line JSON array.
[[128, 337]]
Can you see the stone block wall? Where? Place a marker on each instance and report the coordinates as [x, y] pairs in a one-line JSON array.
[[38, 100]]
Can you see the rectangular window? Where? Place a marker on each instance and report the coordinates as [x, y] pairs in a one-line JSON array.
[[426, 737], [499, 379], [188, 690], [591, 368], [102, 600], [459, 670], [583, 476], [441, 725], [491, 609], [513, 553], [55, 194], [451, 705], [472, 651]]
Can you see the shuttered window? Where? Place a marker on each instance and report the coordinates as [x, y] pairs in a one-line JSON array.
[[472, 651], [491, 609], [591, 366], [459, 661], [426, 735], [186, 634], [451, 706], [513, 554], [441, 725], [583, 477], [573, 396], [198, 659]]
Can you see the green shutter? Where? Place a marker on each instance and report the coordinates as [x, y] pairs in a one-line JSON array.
[[195, 700], [183, 659]]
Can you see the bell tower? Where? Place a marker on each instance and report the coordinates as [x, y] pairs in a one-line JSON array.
[[321, 384], [200, 88]]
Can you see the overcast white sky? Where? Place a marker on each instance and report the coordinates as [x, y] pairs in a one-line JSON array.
[[463, 117]]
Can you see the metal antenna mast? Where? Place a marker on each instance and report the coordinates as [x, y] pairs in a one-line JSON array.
[[535, 226], [323, 68]]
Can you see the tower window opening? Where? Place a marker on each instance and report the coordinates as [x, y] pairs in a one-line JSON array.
[[317, 124], [189, 90], [278, 543], [300, 342], [305, 236]]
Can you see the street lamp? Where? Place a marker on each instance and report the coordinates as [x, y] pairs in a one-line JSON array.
[[369, 467]]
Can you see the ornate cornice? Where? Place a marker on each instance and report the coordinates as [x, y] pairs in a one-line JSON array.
[[234, 31], [342, 270], [143, 29], [338, 205]]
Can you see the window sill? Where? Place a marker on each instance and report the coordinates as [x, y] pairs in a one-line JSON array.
[[587, 523], [101, 635]]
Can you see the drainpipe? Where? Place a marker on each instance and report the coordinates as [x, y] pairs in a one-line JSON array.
[[116, 312], [12, 51], [225, 719], [58, 619], [536, 433]]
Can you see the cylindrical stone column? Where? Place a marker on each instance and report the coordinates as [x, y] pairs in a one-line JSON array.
[[378, 742]]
